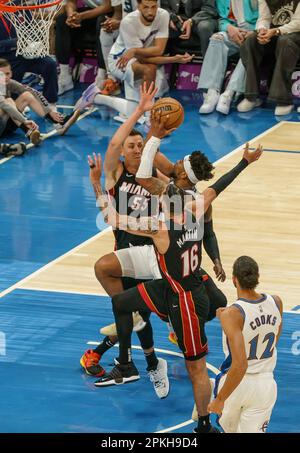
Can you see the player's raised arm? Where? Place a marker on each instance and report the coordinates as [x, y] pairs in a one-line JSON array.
[[112, 156], [144, 176], [222, 183], [232, 324]]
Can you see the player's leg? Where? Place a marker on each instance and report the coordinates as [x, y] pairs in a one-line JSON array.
[[188, 312], [123, 306], [261, 398]]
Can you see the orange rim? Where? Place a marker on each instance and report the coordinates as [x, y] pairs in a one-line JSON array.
[[11, 9]]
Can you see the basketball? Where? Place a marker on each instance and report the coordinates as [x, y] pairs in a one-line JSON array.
[[172, 108]]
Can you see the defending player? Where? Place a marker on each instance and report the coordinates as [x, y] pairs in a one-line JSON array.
[[245, 389], [129, 197], [180, 295]]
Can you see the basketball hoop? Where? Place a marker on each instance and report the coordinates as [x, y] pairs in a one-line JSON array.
[[32, 20]]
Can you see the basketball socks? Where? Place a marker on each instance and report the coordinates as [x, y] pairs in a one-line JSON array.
[[104, 346], [152, 360], [122, 106], [203, 424]]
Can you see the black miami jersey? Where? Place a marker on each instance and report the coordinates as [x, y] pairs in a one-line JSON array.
[[131, 199], [180, 265]]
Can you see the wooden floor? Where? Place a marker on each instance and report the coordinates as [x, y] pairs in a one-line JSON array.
[[259, 215]]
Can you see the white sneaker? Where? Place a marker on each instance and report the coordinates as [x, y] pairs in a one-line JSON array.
[[111, 329], [224, 103], [283, 110], [65, 84], [160, 380], [210, 101], [298, 109], [247, 106]]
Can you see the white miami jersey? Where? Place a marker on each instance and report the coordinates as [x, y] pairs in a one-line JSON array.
[[134, 34], [262, 320]]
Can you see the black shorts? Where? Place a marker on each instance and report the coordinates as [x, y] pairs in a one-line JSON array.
[[187, 312], [216, 297]]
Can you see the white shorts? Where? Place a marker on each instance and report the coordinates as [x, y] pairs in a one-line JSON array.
[[132, 86], [249, 407], [139, 262]]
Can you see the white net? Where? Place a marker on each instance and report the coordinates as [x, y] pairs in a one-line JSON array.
[[32, 26]]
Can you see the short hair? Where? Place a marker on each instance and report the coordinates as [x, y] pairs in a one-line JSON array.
[[134, 132], [4, 63], [140, 1], [246, 270], [201, 166]]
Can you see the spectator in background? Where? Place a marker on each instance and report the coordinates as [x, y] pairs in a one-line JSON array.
[[192, 17], [108, 35], [72, 27], [14, 97], [136, 57], [45, 67], [278, 33], [237, 21]]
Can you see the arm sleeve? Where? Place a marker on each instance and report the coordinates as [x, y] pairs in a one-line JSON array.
[[145, 169], [294, 25], [210, 241], [229, 177], [264, 15]]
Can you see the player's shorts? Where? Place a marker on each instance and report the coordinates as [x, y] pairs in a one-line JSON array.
[[249, 407], [126, 74], [131, 85], [187, 312], [139, 262]]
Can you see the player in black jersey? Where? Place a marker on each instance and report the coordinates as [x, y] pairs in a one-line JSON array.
[[129, 198], [180, 295], [140, 262]]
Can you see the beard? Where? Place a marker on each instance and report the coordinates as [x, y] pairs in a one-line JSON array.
[[147, 19]]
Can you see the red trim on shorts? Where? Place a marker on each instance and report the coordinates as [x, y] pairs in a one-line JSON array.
[[176, 286], [190, 326], [205, 277], [148, 301]]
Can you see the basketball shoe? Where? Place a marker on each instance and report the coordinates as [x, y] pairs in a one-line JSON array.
[[120, 374], [90, 362], [110, 88], [159, 379], [87, 97], [111, 329]]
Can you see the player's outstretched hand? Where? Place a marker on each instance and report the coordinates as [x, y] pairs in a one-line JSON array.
[[215, 407], [147, 96], [95, 164], [252, 156], [219, 271]]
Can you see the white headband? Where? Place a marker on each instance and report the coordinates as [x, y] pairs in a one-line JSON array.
[[188, 169]]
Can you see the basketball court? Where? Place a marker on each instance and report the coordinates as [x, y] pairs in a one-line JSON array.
[[51, 306]]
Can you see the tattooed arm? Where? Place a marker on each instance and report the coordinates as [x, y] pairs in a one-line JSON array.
[[95, 165]]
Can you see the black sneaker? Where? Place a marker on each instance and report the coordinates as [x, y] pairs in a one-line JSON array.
[[120, 374], [213, 430]]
